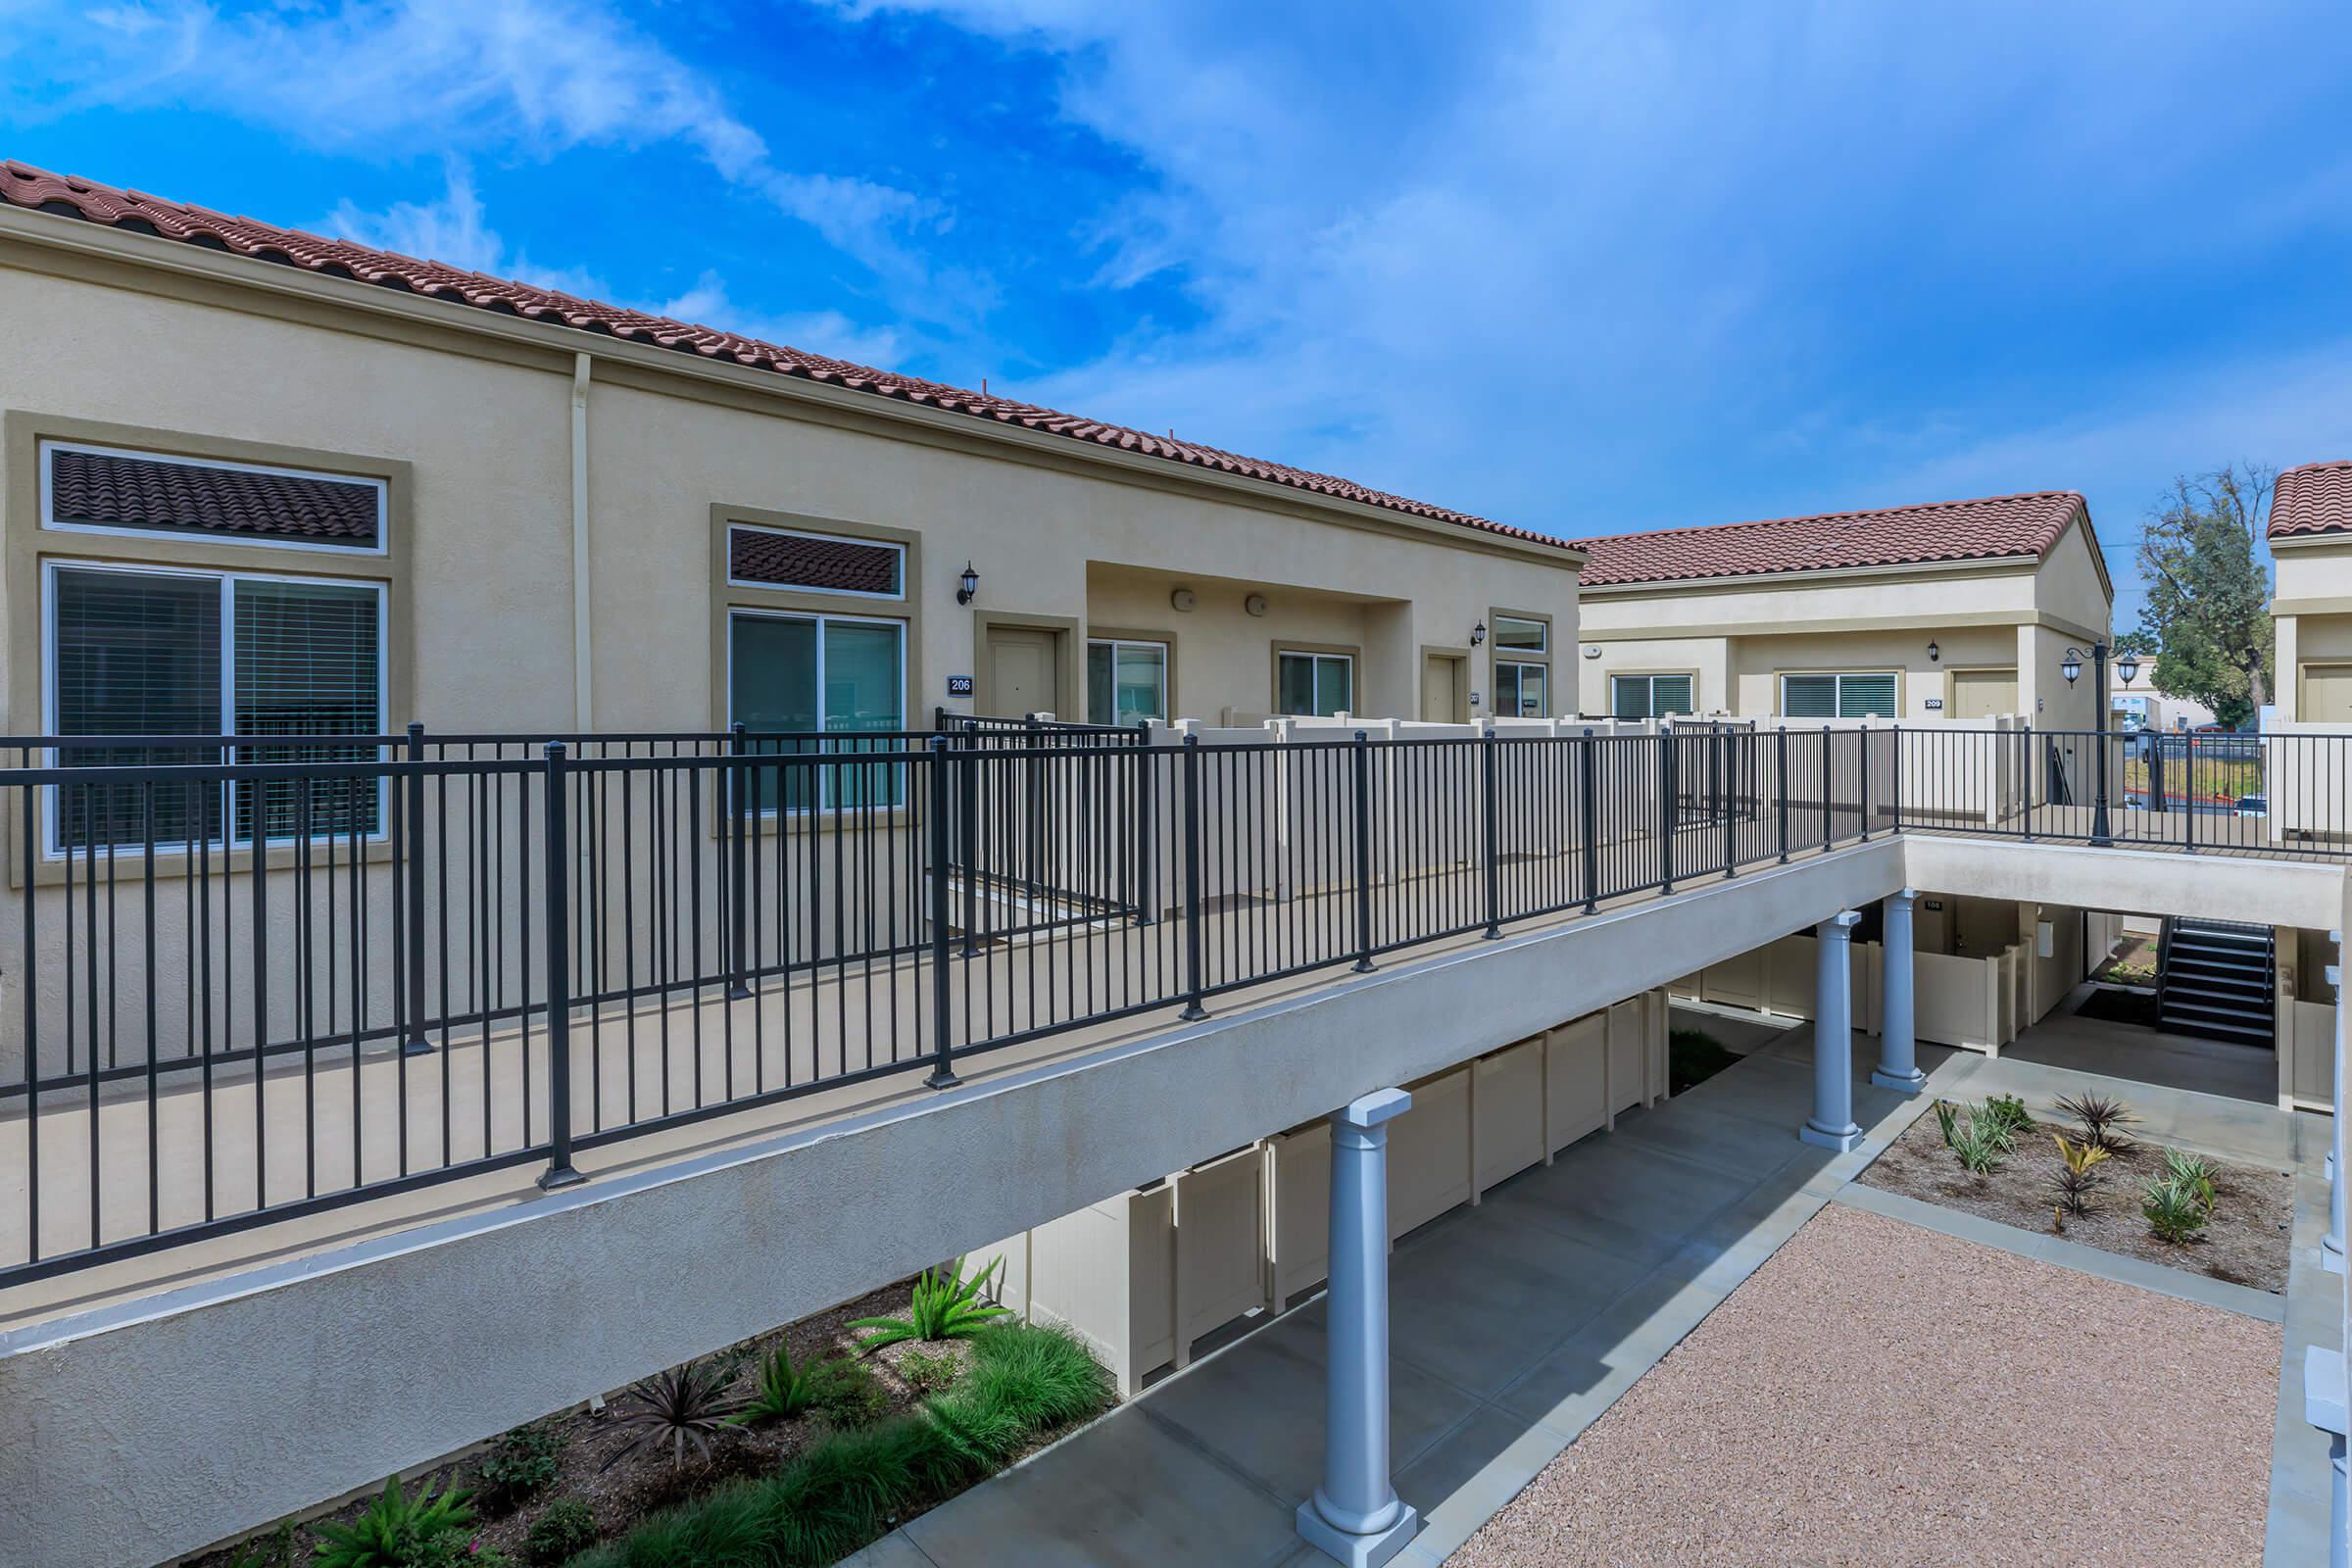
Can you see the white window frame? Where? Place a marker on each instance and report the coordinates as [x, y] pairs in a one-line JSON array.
[[227, 577], [1650, 678], [1542, 650], [1522, 666], [1167, 663], [819, 618], [50, 522], [1312, 655], [1837, 697], [763, 585]]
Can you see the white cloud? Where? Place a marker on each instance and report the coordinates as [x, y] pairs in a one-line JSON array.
[[454, 230], [826, 333]]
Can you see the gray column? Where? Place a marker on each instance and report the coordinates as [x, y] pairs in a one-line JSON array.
[[1355, 1515], [2323, 1407], [1899, 1043], [2332, 1248], [1832, 1124]]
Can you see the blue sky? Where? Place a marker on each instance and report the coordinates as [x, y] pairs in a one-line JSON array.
[[1580, 268]]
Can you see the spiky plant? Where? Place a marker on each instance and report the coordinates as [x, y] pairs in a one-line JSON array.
[[2007, 1112], [2195, 1172], [2073, 1189], [1991, 1126], [683, 1406], [2174, 1211], [1981, 1147], [944, 1306], [2102, 1117], [2080, 1158], [397, 1531], [785, 1390], [1947, 1121]]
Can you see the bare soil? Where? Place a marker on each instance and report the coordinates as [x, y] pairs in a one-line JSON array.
[[2246, 1242], [648, 1481]]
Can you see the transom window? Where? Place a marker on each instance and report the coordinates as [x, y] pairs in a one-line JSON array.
[[285, 665], [1521, 691], [1126, 681], [797, 682], [108, 490], [1867, 695], [1522, 634], [1649, 696], [815, 562], [1315, 685]]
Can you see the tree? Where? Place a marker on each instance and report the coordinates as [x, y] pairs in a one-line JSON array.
[[2207, 619]]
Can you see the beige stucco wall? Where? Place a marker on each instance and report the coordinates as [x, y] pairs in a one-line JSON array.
[[2312, 613]]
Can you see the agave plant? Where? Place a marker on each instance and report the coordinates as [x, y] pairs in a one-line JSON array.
[[944, 1306], [1981, 1147], [683, 1406], [2194, 1172], [2103, 1119], [785, 1390], [397, 1530]]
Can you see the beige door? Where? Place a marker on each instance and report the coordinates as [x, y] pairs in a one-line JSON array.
[[1441, 696], [1982, 693], [2326, 695], [1024, 672]]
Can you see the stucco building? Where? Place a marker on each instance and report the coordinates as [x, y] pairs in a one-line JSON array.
[[2311, 541]]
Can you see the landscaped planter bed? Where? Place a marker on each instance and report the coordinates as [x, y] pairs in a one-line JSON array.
[[886, 1407], [2246, 1240]]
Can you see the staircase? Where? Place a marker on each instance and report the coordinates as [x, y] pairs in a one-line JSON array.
[[2217, 980]]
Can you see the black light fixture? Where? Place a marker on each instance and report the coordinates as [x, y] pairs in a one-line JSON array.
[[969, 584], [1934, 652], [2071, 667], [2128, 666], [1478, 634]]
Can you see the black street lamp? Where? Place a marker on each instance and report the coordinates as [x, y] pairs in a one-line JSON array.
[[2071, 668]]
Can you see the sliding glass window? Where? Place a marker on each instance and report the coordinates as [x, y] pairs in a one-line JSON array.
[[831, 686], [1838, 696], [1126, 682]]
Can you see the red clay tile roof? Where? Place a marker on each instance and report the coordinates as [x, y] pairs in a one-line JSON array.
[[118, 490], [71, 196], [2316, 498], [803, 561], [1944, 530]]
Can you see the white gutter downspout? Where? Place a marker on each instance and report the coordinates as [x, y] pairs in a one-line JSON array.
[[583, 707]]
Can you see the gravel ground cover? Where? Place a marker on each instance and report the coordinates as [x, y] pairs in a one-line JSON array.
[[1877, 1394], [2245, 1242]]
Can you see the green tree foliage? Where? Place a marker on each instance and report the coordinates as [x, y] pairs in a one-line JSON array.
[[2207, 619]]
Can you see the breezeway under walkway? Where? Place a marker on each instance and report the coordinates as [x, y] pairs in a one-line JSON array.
[[1516, 1323]]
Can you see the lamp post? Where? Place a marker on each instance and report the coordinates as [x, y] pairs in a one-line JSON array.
[[2071, 668]]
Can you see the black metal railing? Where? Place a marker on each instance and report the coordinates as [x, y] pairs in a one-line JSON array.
[[435, 955]]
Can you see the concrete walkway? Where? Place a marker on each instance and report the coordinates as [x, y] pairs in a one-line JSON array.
[[1516, 1323]]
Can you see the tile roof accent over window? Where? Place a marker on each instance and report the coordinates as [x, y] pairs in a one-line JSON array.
[[807, 561], [1990, 528], [71, 196], [2316, 498], [125, 490]]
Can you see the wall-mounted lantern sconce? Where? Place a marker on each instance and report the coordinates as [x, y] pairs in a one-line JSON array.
[[2071, 667], [2128, 666], [968, 585], [1934, 652], [1478, 634]]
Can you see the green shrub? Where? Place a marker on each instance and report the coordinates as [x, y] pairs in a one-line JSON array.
[[398, 1531], [929, 1371], [841, 1490], [1994, 1126], [2175, 1212], [2194, 1172], [1981, 1147], [944, 1306], [563, 1530], [1947, 1121], [2007, 1112], [519, 1465], [786, 1389], [848, 1395]]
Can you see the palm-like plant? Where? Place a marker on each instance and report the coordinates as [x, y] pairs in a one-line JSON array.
[[397, 1530], [2194, 1172], [944, 1306], [684, 1406], [785, 1390]]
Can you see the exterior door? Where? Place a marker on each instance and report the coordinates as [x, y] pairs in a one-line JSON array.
[[1442, 695], [2326, 695], [1024, 671], [1980, 694]]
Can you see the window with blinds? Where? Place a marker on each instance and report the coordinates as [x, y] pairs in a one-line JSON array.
[[292, 664], [1649, 696], [1838, 696]]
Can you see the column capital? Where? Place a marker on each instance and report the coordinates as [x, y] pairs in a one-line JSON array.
[[1839, 927], [1902, 896], [1373, 1109]]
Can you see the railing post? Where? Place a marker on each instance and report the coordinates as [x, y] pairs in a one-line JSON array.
[[1589, 771], [412, 850], [1719, 756], [1896, 805], [739, 855], [557, 927], [1033, 814], [968, 821], [2100, 837], [1362, 753], [1493, 837], [943, 1049], [1146, 831], [2025, 775], [1864, 732], [1780, 767], [1670, 809], [2156, 795], [2188, 792], [1193, 963]]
